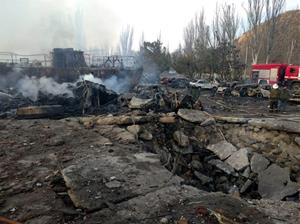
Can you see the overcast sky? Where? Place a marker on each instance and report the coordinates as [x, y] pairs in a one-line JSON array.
[[31, 26]]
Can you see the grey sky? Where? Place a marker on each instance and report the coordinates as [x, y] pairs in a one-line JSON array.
[[32, 26]]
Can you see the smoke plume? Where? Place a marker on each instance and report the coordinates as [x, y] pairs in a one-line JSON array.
[[31, 86], [115, 83], [33, 26]]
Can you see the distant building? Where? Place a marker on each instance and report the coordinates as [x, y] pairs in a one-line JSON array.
[[68, 58]]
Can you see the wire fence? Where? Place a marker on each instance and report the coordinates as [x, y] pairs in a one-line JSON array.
[[46, 60]]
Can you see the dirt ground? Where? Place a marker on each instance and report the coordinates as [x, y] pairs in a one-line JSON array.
[[246, 106]]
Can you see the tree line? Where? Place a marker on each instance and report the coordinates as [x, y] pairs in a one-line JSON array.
[[213, 48]]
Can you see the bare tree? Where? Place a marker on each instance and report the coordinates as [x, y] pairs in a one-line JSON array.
[[196, 39], [291, 51], [196, 33], [254, 11], [226, 24], [126, 41], [189, 37], [230, 23], [273, 10]]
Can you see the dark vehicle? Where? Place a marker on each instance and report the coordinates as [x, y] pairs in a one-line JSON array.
[[243, 89], [178, 83], [252, 90], [225, 88]]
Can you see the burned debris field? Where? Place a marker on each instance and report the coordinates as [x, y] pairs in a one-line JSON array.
[[157, 153], [141, 132]]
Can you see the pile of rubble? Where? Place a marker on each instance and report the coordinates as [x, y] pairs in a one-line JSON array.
[[196, 146], [191, 143], [200, 152], [154, 154]]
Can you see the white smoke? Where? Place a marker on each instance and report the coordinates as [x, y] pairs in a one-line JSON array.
[[117, 84], [91, 78], [31, 86]]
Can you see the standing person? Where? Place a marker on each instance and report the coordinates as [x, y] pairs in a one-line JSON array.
[[157, 98], [283, 98], [274, 97]]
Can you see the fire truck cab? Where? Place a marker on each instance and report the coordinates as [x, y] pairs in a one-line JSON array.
[[283, 74]]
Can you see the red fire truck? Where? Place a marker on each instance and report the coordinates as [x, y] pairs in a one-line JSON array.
[[283, 74]]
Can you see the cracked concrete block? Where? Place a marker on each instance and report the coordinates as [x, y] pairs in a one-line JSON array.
[[91, 185], [222, 149], [239, 160], [274, 183], [194, 116], [259, 163]]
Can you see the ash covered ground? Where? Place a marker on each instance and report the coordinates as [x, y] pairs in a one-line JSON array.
[[155, 154]]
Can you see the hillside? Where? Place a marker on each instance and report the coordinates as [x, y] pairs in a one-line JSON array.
[[288, 29]]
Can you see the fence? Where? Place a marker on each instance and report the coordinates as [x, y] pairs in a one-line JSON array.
[[46, 60]]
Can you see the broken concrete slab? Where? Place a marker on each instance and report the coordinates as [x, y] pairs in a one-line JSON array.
[[168, 202], [223, 166], [117, 134], [87, 180], [203, 178], [148, 208], [194, 116], [146, 135], [246, 172], [246, 185], [134, 129], [230, 210], [259, 163], [233, 120], [88, 122], [123, 136], [239, 160], [140, 132], [102, 141], [123, 120], [138, 103], [181, 139], [274, 183], [167, 119], [280, 212], [276, 124], [208, 122], [222, 149]]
